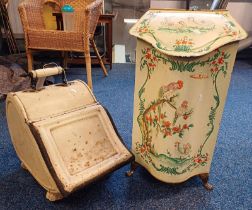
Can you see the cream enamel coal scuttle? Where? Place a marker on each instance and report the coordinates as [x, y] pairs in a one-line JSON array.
[[183, 70], [63, 136]]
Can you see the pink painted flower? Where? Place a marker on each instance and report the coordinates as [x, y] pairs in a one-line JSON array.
[[166, 124], [220, 60], [176, 129], [167, 133], [148, 55], [152, 65], [185, 126], [234, 33], [180, 84], [185, 117], [184, 104], [178, 42], [213, 70], [155, 58]]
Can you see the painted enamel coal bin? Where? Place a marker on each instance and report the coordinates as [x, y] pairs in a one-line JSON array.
[[183, 70], [62, 135]]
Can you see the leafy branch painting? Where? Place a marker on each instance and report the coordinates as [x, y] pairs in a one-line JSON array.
[[154, 119]]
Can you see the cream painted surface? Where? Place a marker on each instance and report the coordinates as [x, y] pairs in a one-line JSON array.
[[62, 95], [25, 144], [239, 9], [82, 145], [75, 131], [191, 33], [179, 96], [200, 96]]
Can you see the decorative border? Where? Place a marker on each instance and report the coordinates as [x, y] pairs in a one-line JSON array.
[[185, 44], [218, 63]]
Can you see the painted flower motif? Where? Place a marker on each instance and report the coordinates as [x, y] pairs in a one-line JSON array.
[[220, 60], [201, 159], [178, 42], [197, 160], [183, 109], [156, 121], [234, 33], [166, 124], [143, 149], [185, 117], [184, 104], [150, 59], [167, 133], [155, 118], [148, 55], [229, 30], [184, 41], [215, 69], [176, 129], [180, 84], [149, 119], [151, 65], [143, 29], [185, 126], [183, 45], [217, 64]]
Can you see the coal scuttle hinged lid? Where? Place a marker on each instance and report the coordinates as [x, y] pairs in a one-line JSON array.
[[187, 33]]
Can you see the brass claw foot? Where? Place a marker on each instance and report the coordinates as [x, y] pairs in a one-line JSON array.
[[206, 184], [23, 166], [133, 167], [53, 196]]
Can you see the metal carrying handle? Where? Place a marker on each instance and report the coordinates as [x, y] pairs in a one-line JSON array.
[[41, 74], [46, 72]]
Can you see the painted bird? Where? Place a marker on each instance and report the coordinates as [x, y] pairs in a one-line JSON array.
[[167, 91]]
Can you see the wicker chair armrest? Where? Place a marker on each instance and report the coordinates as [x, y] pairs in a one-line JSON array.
[[93, 12], [31, 14]]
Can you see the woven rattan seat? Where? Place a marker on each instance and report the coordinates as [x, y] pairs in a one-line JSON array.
[[37, 37]]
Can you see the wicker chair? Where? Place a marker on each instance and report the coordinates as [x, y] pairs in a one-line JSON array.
[[86, 16]]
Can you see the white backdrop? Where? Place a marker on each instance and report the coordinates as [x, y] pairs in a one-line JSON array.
[[14, 16]]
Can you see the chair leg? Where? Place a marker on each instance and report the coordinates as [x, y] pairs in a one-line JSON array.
[[99, 57], [29, 60], [89, 71]]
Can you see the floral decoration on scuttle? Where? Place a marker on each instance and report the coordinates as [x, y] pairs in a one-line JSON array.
[[153, 117]]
